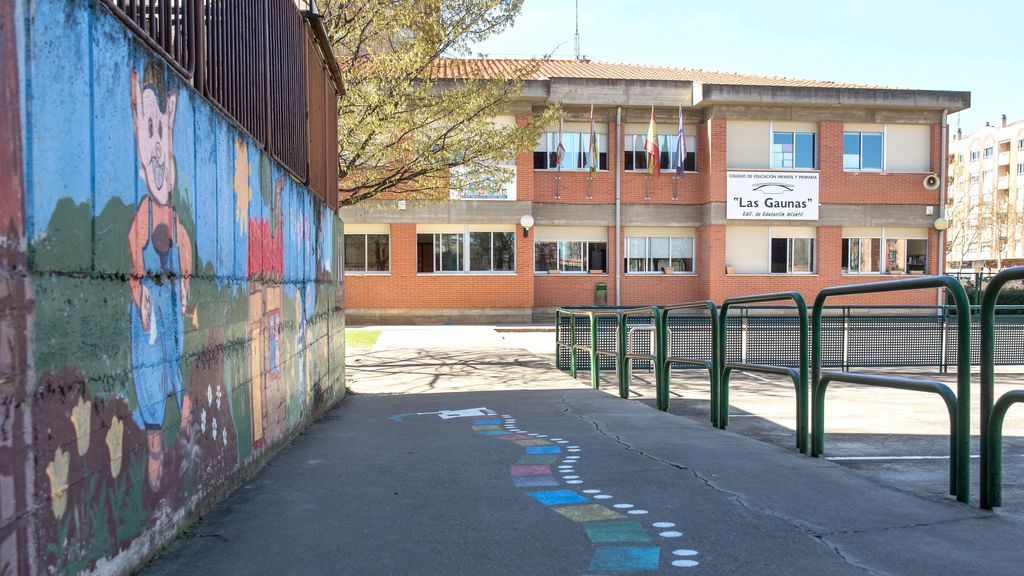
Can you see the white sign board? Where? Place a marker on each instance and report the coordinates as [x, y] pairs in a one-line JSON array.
[[771, 196], [486, 189]]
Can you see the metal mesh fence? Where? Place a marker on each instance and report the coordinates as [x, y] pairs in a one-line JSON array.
[[848, 340]]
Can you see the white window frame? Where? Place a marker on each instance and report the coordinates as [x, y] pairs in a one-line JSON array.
[[366, 255], [883, 263], [584, 137], [989, 152], [860, 152], [771, 149], [789, 255], [975, 155], [558, 255], [649, 259], [666, 142], [465, 251]]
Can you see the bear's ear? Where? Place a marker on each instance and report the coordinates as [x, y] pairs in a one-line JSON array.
[[136, 88], [172, 108]]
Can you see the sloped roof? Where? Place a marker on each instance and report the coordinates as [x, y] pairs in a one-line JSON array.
[[501, 68]]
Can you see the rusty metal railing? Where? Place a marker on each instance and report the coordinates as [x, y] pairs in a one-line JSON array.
[[264, 63]]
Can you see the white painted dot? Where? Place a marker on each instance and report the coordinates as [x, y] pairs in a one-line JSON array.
[[591, 491], [574, 449], [555, 439], [542, 435], [565, 467], [664, 524], [685, 552], [506, 415], [571, 477], [561, 441], [685, 563], [670, 534], [535, 434], [602, 496], [637, 512], [574, 481], [573, 446], [622, 506]]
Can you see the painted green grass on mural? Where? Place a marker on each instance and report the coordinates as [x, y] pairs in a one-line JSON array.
[[361, 338]]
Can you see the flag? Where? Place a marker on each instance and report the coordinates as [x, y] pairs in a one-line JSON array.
[[680, 145], [595, 154], [560, 151], [653, 153]]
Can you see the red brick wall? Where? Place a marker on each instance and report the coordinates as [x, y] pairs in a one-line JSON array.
[[575, 289], [403, 288]]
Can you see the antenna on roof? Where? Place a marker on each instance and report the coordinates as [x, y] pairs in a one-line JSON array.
[[578, 30]]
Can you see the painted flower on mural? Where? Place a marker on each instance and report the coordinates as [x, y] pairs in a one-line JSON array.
[[58, 473], [115, 442], [81, 415]]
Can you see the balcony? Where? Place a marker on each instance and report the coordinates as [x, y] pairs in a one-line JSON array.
[[1004, 158]]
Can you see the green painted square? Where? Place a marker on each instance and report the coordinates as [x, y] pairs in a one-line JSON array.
[[613, 532], [538, 459]]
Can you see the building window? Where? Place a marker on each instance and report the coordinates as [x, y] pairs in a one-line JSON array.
[[1020, 168], [635, 157], [862, 255], [903, 256], [989, 152], [577, 151], [975, 155], [862, 151], [492, 251], [793, 150], [446, 252], [792, 255], [975, 178], [570, 256], [960, 158], [1020, 144], [657, 253], [367, 253]]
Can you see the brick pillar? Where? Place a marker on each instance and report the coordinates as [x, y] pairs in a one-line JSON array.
[[524, 165]]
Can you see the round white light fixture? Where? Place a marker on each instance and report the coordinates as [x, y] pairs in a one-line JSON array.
[[941, 224], [526, 222]]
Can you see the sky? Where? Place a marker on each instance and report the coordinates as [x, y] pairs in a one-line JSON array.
[[925, 44]]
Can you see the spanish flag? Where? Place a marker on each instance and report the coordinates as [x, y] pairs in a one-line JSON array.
[[653, 153]]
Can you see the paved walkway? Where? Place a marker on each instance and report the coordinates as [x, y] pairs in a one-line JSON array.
[[462, 457]]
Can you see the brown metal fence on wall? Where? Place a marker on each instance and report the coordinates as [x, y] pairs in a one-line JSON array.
[[255, 60]]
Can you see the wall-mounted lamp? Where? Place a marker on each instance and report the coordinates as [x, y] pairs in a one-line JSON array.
[[526, 222], [941, 224]]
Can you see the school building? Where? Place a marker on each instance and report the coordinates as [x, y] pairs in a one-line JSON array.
[[787, 185]]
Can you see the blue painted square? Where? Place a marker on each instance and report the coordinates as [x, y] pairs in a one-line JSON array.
[[543, 450], [492, 432], [558, 497], [625, 558], [485, 422]]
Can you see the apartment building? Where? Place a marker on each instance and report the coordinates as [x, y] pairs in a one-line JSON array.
[[985, 203], [786, 184]]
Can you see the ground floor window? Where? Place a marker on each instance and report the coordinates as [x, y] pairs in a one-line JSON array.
[[862, 255], [890, 252], [792, 255], [570, 256], [653, 254], [367, 253], [447, 252]]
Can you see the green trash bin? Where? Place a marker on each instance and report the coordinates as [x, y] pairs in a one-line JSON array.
[[600, 294]]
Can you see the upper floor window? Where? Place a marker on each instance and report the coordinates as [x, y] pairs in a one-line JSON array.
[[975, 155], [653, 254], [1020, 168], [793, 150], [960, 158], [367, 253], [570, 256], [447, 252], [1020, 144], [577, 151], [862, 151], [635, 156], [989, 152]]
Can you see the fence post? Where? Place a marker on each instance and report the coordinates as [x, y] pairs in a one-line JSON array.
[[595, 365], [199, 46], [846, 338], [620, 358], [572, 345], [660, 370]]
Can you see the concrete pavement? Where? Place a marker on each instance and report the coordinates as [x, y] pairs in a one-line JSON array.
[[454, 456]]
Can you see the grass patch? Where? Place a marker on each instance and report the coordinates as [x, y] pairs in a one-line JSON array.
[[361, 338]]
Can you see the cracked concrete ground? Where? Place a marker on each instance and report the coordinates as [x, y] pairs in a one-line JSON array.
[[386, 484]]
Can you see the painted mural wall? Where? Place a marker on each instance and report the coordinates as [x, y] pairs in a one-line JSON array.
[[170, 305]]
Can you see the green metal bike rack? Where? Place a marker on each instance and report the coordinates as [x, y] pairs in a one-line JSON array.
[[713, 366], [993, 414], [798, 375], [625, 358], [960, 425], [594, 313]]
